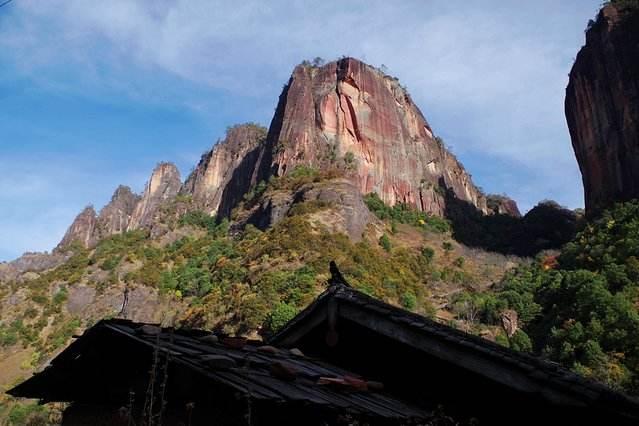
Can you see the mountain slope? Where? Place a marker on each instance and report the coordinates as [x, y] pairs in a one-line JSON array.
[[349, 171]]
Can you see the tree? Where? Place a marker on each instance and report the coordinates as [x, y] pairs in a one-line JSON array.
[[428, 253], [385, 242], [279, 316], [318, 61], [409, 300]]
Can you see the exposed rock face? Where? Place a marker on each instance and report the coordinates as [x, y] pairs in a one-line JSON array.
[[501, 204], [30, 263], [114, 218], [82, 229], [226, 172], [88, 228], [347, 119], [337, 205], [510, 322], [348, 114], [602, 108], [163, 186]]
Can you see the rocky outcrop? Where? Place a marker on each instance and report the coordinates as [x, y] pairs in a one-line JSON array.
[[114, 218], [30, 263], [351, 116], [602, 107], [163, 186], [357, 126], [501, 204], [82, 230], [88, 228], [226, 172], [336, 205]]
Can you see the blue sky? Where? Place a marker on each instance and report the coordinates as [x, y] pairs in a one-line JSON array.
[[94, 93]]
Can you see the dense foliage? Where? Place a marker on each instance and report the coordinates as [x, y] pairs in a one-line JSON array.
[[580, 309], [626, 3], [403, 213], [546, 226]]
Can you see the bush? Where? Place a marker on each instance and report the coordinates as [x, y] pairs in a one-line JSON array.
[[349, 160], [111, 263], [27, 414], [198, 219], [255, 192], [581, 311], [385, 242], [403, 213], [281, 314], [520, 342], [8, 336], [428, 254], [60, 297], [409, 301]]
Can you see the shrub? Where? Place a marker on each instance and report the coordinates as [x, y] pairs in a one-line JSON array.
[[428, 254], [581, 311], [409, 301], [255, 192], [27, 414], [198, 219], [520, 341], [279, 316], [349, 160], [8, 336], [385, 242], [60, 297], [403, 213], [111, 263]]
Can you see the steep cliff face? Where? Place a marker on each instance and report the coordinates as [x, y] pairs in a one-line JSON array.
[[89, 228], [114, 218], [226, 172], [349, 115], [602, 107], [163, 186], [82, 229]]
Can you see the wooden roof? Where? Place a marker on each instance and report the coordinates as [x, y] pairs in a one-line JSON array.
[[251, 372], [516, 370]]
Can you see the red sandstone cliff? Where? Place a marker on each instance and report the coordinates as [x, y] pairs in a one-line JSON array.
[[345, 116], [602, 107], [114, 218], [226, 172], [349, 115], [82, 229], [163, 186]]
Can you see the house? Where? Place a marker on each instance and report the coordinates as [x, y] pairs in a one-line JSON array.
[[424, 362], [346, 359], [124, 373]]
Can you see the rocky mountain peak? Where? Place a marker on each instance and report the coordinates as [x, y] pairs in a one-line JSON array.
[[114, 218], [602, 106], [163, 185], [226, 172], [82, 229], [350, 115]]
